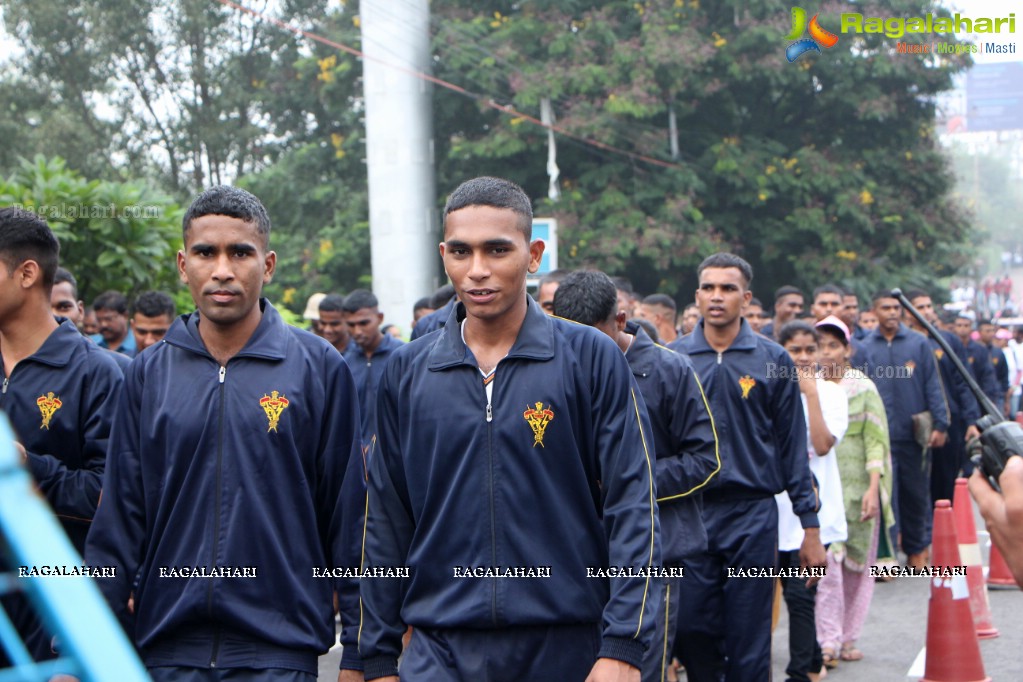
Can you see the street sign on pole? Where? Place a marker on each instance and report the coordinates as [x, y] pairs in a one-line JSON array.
[[547, 230]]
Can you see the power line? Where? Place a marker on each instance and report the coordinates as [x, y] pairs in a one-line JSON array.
[[489, 102]]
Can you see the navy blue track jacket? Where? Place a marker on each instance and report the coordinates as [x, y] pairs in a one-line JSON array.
[[256, 464], [903, 397], [1001, 373], [60, 401], [758, 415], [554, 471], [433, 321], [962, 404], [366, 373], [683, 438], [977, 359]]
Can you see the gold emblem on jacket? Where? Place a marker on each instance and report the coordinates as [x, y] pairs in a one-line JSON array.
[[48, 405], [273, 404], [538, 417], [746, 383]]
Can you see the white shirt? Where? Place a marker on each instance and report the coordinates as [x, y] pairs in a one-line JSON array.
[[834, 528], [1013, 354]]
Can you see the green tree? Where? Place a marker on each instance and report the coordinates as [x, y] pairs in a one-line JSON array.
[[196, 94], [315, 191], [182, 83], [112, 235], [826, 169]]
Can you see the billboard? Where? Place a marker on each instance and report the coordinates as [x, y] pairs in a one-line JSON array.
[[994, 97]]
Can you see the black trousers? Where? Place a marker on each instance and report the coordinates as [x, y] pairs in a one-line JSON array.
[[804, 651], [555, 653], [724, 627]]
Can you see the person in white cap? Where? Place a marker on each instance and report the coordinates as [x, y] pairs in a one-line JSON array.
[[312, 312]]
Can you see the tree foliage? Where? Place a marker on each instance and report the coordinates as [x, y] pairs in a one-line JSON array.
[[113, 235], [687, 129], [822, 170]]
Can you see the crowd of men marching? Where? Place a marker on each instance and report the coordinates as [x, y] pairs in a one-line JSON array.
[[584, 484]]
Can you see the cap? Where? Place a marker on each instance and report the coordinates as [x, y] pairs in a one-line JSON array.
[[833, 321], [312, 307], [1003, 334]]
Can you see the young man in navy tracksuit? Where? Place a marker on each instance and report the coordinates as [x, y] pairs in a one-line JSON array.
[[725, 622], [683, 435], [977, 359], [59, 390], [906, 373], [234, 484], [367, 360], [513, 476], [963, 408]]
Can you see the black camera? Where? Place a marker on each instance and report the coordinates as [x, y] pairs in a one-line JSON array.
[[999, 440]]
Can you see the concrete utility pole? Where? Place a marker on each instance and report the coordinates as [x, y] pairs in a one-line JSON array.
[[399, 155]]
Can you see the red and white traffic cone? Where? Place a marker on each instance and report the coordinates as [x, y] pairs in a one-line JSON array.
[[953, 653], [969, 553], [999, 577]]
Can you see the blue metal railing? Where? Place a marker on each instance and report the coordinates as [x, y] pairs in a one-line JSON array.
[[93, 646]]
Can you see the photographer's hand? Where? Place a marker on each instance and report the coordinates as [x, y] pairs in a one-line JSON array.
[[1003, 513]]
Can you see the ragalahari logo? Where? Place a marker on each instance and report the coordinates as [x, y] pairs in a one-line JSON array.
[[818, 36]]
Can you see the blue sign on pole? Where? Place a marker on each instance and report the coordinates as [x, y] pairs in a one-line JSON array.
[[547, 230]]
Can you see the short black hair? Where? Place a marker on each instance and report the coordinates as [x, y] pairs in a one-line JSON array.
[[913, 294], [111, 300], [984, 321], [828, 289], [787, 290], [587, 296], [359, 299], [755, 301], [63, 275], [154, 304], [441, 297], [661, 300], [496, 193], [691, 306], [558, 275], [422, 304], [25, 236], [790, 329], [332, 303], [648, 327], [727, 260], [230, 201], [884, 293]]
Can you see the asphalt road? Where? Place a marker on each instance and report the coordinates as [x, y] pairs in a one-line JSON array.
[[896, 631]]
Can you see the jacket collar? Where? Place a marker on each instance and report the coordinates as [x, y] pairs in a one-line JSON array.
[[269, 341], [535, 340], [386, 345], [745, 340], [59, 346], [878, 336], [639, 352]]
